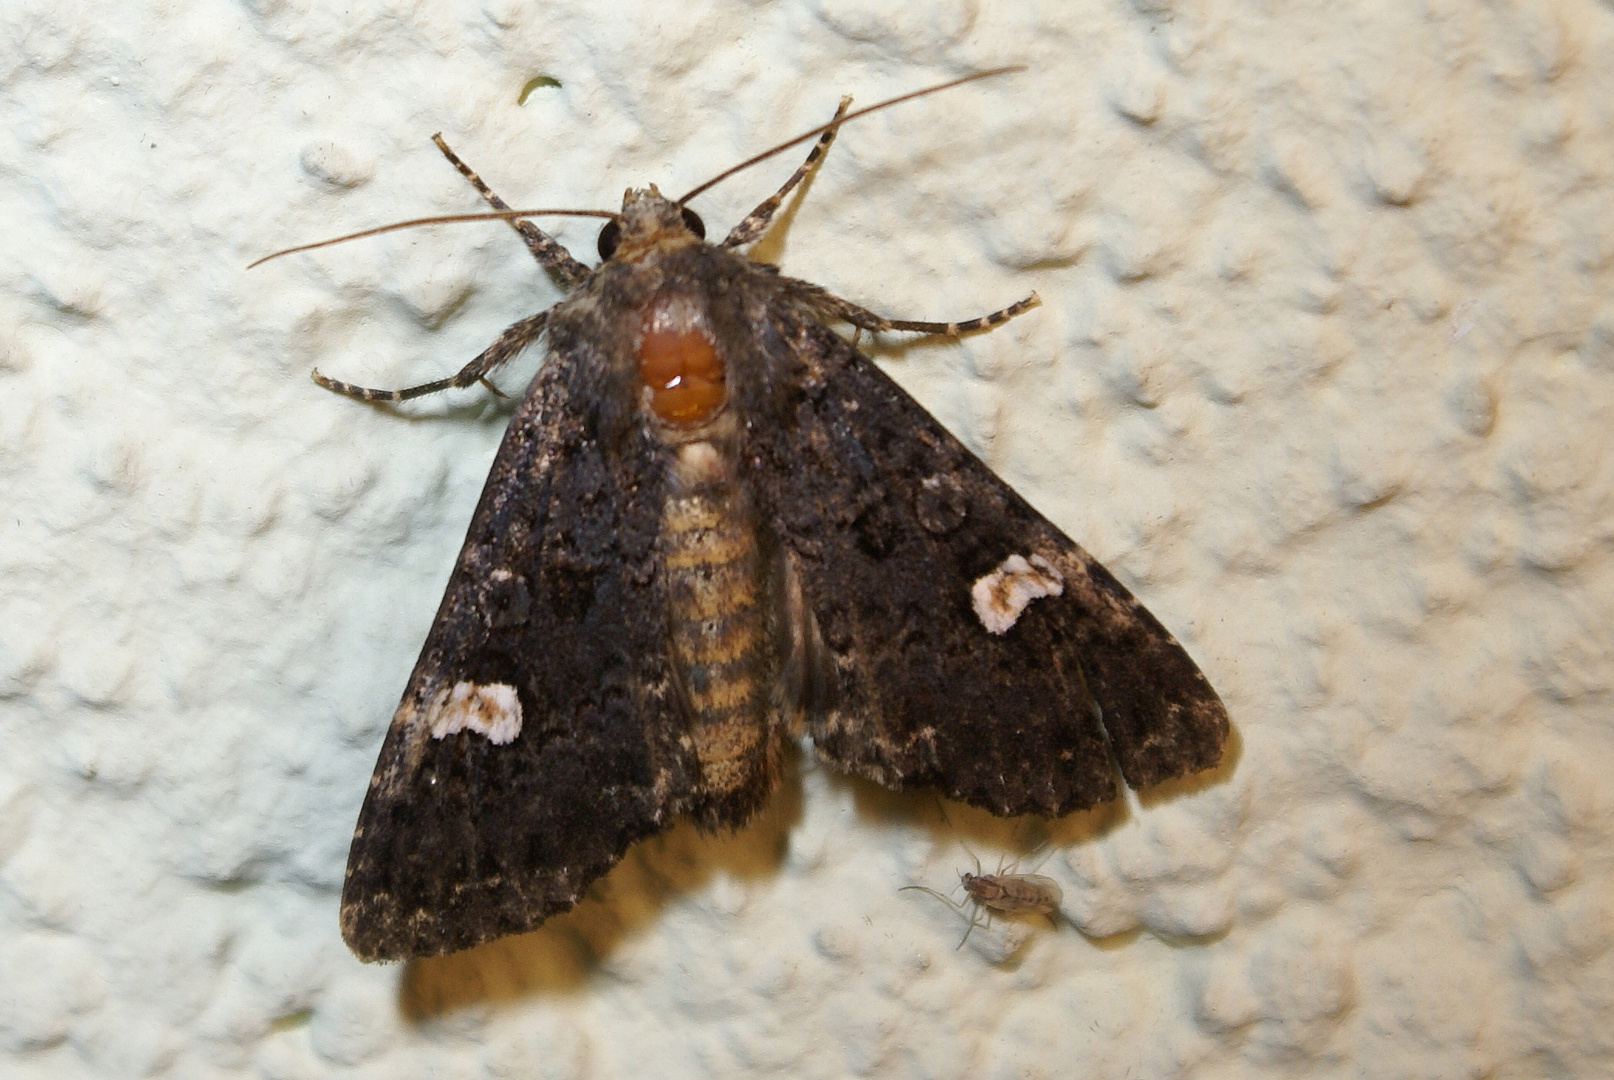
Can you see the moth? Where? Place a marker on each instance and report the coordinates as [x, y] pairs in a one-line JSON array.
[[1002, 891], [712, 524]]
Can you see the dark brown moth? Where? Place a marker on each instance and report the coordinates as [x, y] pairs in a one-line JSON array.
[[713, 523]]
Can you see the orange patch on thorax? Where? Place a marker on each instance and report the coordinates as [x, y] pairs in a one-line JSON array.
[[679, 364]]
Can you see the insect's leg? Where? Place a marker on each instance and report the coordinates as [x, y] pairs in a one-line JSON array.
[[516, 337], [864, 319], [974, 915], [550, 255], [757, 220], [1046, 845]]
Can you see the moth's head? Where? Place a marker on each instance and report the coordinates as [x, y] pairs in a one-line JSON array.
[[649, 222]]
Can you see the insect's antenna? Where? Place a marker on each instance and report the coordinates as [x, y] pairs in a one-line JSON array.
[[820, 129], [972, 855], [949, 901], [493, 215]]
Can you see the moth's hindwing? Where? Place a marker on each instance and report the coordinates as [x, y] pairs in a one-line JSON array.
[[895, 529], [539, 735]]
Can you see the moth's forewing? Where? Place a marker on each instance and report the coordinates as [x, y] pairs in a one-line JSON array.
[[889, 521], [467, 834]]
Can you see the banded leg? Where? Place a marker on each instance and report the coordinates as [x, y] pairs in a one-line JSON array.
[[550, 255], [516, 337], [864, 319], [757, 220]]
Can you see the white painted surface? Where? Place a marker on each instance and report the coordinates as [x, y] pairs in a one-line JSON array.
[[1324, 370]]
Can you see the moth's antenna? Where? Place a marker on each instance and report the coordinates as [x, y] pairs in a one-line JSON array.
[[820, 129], [492, 215], [724, 175]]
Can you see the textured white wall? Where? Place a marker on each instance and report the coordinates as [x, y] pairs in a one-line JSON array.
[[1324, 370]]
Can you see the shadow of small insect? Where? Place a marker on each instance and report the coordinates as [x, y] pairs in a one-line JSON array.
[[1003, 891]]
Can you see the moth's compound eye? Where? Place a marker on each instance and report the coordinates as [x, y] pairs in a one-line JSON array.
[[693, 222], [610, 234]]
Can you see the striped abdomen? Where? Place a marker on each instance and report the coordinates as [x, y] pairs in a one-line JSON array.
[[716, 581]]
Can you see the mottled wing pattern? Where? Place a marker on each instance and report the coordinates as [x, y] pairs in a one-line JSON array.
[[888, 519], [555, 595]]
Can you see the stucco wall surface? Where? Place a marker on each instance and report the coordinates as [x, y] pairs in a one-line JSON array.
[[1324, 371]]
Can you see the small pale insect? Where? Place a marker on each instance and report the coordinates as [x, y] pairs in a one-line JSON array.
[[1006, 892]]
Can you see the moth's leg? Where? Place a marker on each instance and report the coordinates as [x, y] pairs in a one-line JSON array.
[[545, 248], [757, 220], [516, 337], [864, 319]]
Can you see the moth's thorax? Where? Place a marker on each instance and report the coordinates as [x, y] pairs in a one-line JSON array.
[[649, 224], [683, 384]]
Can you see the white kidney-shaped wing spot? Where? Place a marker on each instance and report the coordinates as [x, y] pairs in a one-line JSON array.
[[493, 711], [1002, 595]]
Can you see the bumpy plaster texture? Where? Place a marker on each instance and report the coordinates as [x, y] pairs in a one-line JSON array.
[[1324, 370]]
